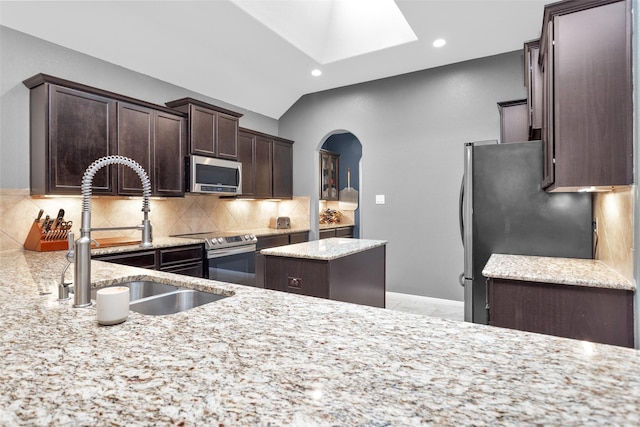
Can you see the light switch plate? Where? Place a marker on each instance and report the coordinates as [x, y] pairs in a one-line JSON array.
[[379, 199]]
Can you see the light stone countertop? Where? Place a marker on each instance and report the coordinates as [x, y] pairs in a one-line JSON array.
[[325, 249], [564, 271], [264, 357]]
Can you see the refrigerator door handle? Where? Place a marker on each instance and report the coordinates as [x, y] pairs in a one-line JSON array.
[[467, 211], [460, 211], [461, 279]]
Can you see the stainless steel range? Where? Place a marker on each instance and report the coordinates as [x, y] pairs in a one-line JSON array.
[[231, 256]]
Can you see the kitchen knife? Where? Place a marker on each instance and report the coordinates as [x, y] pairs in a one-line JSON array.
[[39, 215], [46, 224], [58, 219]]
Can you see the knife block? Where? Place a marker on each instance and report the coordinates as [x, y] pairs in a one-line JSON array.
[[35, 240]]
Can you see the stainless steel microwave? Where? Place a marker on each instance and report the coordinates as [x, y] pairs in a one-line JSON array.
[[213, 176]]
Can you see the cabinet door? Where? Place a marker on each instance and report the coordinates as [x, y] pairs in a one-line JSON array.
[[202, 131], [264, 161], [592, 91], [282, 170], [82, 129], [533, 82], [135, 140], [246, 155], [227, 137], [169, 151], [548, 176]]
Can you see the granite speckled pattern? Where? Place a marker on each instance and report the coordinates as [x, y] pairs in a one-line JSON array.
[[564, 271], [325, 249], [263, 358]]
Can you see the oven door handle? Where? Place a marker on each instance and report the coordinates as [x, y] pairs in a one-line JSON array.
[[219, 253]]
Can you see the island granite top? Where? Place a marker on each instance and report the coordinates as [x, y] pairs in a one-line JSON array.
[[324, 249], [264, 357], [564, 271]]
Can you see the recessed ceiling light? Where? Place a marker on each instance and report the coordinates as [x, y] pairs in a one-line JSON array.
[[316, 73], [439, 42]]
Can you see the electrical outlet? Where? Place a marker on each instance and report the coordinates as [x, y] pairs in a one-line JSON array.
[[595, 225]]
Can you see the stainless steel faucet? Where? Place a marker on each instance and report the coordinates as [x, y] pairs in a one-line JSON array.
[[82, 249]]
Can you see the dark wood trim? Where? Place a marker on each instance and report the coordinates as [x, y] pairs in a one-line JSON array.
[[41, 78], [266, 135], [186, 101]]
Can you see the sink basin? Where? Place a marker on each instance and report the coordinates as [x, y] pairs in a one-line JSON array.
[[143, 289], [173, 302], [154, 298]]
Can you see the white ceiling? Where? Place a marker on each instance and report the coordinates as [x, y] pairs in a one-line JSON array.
[[216, 48]]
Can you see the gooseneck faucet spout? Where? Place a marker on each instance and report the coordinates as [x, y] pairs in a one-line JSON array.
[[82, 271]]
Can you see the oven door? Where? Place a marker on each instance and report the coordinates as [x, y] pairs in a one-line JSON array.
[[233, 265]]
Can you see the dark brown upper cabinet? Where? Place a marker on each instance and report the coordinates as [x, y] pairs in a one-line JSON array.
[[69, 129], [267, 165], [514, 126], [213, 131], [585, 56], [533, 83], [155, 140], [72, 125]]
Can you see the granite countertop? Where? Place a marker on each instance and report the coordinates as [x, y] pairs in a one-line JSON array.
[[158, 242], [325, 249], [564, 271], [264, 357], [166, 242]]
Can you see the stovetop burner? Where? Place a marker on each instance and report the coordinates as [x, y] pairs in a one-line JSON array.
[[221, 239]]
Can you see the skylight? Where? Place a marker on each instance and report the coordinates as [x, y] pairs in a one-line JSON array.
[[332, 30]]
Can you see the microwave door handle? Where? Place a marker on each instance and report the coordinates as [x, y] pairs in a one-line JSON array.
[[237, 177]]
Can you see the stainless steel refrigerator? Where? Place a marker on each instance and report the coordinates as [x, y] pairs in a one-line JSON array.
[[504, 210]]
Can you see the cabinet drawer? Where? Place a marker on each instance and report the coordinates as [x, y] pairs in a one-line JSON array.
[[298, 237], [145, 259], [344, 232], [181, 255], [272, 241], [195, 269], [326, 234]]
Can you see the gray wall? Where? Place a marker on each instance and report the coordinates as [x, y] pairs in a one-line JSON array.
[[22, 56], [412, 129]]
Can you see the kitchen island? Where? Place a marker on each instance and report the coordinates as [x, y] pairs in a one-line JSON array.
[[262, 357], [341, 269]]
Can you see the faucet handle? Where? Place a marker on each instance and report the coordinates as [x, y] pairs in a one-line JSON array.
[[72, 246]]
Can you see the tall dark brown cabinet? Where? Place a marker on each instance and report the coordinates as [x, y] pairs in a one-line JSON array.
[[585, 56], [267, 165]]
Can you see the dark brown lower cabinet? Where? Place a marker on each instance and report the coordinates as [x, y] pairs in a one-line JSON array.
[[273, 241], [584, 313], [345, 232], [186, 260], [358, 278]]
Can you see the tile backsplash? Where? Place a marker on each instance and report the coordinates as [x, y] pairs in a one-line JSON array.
[[193, 213], [614, 213]]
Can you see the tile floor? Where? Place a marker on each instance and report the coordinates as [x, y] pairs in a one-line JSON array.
[[436, 307]]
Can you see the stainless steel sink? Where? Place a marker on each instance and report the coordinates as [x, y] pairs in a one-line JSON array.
[[173, 302], [154, 298]]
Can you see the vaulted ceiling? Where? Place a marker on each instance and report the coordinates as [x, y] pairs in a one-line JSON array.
[[259, 54]]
